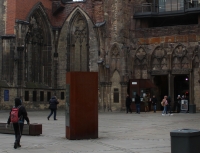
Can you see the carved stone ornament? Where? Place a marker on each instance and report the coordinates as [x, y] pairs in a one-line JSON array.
[[140, 54], [180, 51], [159, 72], [159, 53], [115, 53], [181, 71]]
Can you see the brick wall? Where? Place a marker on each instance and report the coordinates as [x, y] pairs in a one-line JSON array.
[[21, 10]]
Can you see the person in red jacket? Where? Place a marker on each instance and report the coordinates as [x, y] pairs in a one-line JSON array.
[[18, 127]]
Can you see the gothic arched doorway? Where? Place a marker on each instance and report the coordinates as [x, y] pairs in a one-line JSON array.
[[181, 85], [161, 81]]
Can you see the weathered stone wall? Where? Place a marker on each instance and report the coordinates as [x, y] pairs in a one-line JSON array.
[[196, 89], [2, 29], [113, 44]]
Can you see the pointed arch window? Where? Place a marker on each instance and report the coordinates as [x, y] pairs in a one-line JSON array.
[[78, 52], [38, 50]]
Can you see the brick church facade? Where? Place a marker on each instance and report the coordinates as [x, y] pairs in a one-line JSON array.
[[41, 40]]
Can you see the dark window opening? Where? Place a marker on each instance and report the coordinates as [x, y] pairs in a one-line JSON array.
[[41, 95], [34, 95], [173, 20], [26, 95], [48, 96], [62, 95], [116, 95]]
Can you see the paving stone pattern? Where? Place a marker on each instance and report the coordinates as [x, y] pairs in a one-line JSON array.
[[118, 133]]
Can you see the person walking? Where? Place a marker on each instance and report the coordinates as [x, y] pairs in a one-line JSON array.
[[169, 105], [18, 127], [128, 104], [53, 102], [164, 104], [137, 103], [154, 102]]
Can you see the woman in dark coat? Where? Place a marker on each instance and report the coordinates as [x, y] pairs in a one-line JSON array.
[[18, 127], [53, 107], [128, 104]]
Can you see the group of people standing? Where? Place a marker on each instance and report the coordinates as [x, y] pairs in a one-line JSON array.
[[166, 103], [138, 101]]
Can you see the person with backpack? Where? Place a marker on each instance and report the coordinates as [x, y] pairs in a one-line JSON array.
[[17, 116], [53, 102], [164, 104]]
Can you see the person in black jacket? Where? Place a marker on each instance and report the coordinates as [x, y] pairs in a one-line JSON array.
[[179, 103], [169, 105], [137, 103], [53, 107], [128, 104], [18, 127], [154, 102]]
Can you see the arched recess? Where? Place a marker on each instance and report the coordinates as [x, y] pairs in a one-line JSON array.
[[159, 59], [140, 63], [115, 57], [38, 48], [196, 61], [78, 53], [115, 91], [67, 49], [180, 58]]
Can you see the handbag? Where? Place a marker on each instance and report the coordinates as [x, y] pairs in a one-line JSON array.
[[49, 106]]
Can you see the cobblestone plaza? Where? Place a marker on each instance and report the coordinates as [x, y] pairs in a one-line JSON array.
[[118, 133]]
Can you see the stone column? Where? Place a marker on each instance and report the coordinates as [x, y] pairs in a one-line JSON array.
[[192, 106], [172, 91], [123, 94], [169, 83], [109, 96], [103, 95]]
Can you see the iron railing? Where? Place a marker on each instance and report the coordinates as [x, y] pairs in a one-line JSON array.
[[172, 7], [145, 7]]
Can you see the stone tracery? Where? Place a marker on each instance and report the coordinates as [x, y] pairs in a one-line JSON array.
[[180, 59], [159, 59]]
